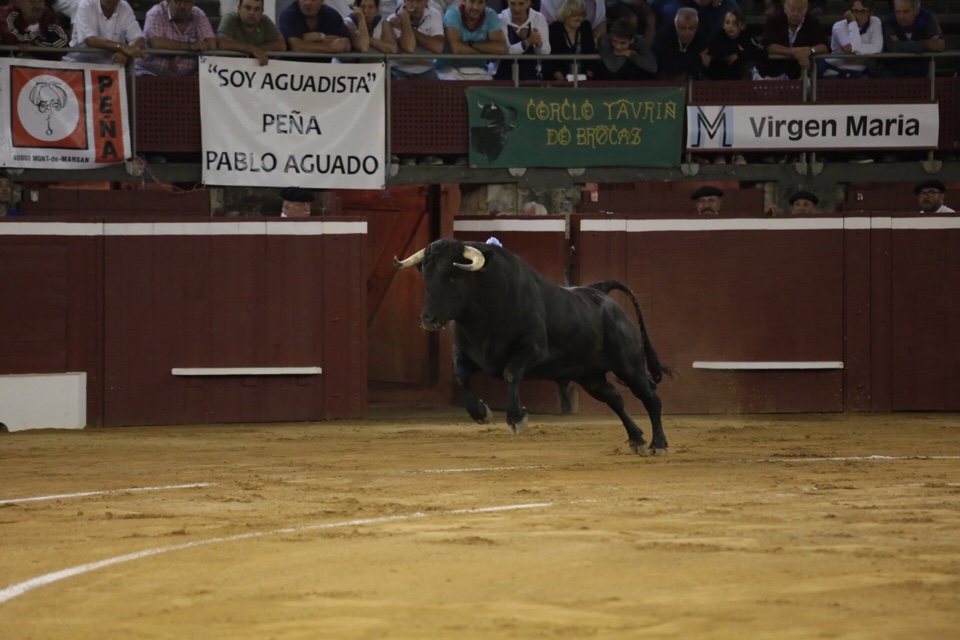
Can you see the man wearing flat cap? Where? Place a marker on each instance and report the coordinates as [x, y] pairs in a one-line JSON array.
[[708, 199], [930, 194], [803, 203], [296, 202]]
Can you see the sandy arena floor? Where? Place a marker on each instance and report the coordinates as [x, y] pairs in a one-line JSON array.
[[421, 524]]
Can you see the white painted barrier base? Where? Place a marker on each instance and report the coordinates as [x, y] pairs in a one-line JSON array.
[[43, 401]]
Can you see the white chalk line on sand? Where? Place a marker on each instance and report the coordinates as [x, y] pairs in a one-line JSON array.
[[21, 588], [477, 469], [859, 458], [101, 493]]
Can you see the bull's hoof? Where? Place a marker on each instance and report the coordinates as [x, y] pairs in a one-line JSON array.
[[483, 415], [640, 448], [519, 427], [658, 451]]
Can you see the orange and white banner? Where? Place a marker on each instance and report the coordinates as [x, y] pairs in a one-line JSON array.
[[60, 115]]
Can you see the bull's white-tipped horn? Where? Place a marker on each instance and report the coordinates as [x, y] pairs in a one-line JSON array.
[[412, 261], [474, 256]]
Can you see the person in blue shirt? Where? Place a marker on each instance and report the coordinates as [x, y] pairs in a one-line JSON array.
[[6, 196]]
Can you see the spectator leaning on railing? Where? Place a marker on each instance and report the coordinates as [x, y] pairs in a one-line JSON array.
[[472, 28], [312, 27], [367, 28], [624, 55], [418, 29], [734, 53], [109, 25], [179, 25], [680, 48], [596, 14], [29, 24], [858, 32], [910, 29], [248, 31], [526, 32], [571, 34], [794, 32]]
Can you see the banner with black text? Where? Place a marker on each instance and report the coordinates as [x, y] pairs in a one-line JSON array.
[[292, 124], [61, 115]]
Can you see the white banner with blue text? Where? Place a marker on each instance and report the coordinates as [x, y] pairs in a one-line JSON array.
[[292, 124], [62, 115], [813, 126]]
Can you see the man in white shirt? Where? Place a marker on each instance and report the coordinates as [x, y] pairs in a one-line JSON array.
[[109, 25], [419, 29], [858, 32], [930, 194]]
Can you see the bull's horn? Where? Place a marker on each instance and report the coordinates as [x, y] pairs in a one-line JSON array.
[[412, 261], [474, 256]]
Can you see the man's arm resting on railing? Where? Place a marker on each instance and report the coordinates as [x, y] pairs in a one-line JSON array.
[[315, 42], [133, 50], [496, 43], [431, 43], [206, 44]]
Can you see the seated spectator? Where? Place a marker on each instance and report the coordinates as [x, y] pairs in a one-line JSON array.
[[794, 32], [709, 199], [343, 7], [367, 28], [910, 29], [931, 194], [109, 25], [709, 12], [680, 48], [179, 25], [595, 14], [624, 55], [570, 34], [526, 32], [6, 196], [803, 203], [296, 202], [734, 53], [639, 12], [858, 32], [312, 27], [473, 28], [31, 23], [248, 31], [418, 28]]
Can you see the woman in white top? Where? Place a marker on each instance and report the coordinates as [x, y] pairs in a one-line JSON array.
[[526, 32], [858, 32], [365, 26]]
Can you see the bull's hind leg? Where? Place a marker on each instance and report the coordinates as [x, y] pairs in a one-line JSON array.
[[646, 390], [604, 391], [463, 369]]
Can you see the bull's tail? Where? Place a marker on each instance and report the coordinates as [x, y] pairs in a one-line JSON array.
[[656, 368]]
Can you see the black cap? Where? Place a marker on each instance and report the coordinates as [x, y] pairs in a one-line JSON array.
[[704, 192], [296, 194], [804, 195], [932, 183]]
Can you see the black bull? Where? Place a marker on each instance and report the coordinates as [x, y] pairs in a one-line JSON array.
[[512, 323]]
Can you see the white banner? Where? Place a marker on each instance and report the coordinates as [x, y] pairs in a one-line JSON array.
[[62, 115], [292, 124], [813, 126]]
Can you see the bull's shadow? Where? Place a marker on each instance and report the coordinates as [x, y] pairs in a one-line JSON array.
[[510, 322], [491, 139]]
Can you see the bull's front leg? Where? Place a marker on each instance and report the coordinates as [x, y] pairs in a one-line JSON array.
[[463, 369], [517, 367]]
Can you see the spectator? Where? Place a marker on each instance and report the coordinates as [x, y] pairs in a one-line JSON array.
[[418, 28], [296, 202], [910, 29], [709, 199], [31, 23], [639, 12], [248, 31], [595, 12], [367, 28], [570, 34], [526, 32], [343, 7], [734, 53], [624, 56], [680, 48], [109, 25], [791, 31], [858, 32], [472, 28], [6, 197], [178, 25], [930, 195], [709, 12], [312, 27], [803, 203]]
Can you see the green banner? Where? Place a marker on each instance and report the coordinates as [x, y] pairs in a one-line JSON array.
[[573, 128]]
